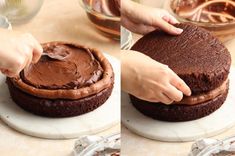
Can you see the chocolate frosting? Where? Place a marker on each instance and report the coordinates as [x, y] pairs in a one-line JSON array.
[[81, 73], [197, 99], [78, 68], [214, 11], [107, 7]]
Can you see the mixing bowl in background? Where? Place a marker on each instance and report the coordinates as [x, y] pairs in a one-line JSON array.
[[126, 39], [20, 11], [217, 16], [98, 146], [213, 147], [105, 15], [4, 23]]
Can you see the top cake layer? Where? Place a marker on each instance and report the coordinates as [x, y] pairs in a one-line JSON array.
[[199, 58], [78, 68]]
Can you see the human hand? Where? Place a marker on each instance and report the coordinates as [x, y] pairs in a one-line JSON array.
[[17, 50], [143, 19], [150, 80]]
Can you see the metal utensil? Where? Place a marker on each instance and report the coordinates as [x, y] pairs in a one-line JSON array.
[[54, 56]]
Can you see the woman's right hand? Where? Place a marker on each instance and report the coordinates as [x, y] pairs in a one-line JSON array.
[[17, 50], [150, 80]]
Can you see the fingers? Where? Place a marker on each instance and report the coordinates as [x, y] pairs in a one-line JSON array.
[[37, 51], [173, 93], [136, 28], [36, 47], [167, 27], [22, 59], [180, 85], [170, 19], [165, 99], [173, 20], [28, 56], [8, 73], [158, 97]]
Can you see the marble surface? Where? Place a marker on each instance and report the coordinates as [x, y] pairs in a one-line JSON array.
[[102, 118], [208, 126], [139, 146], [62, 21]]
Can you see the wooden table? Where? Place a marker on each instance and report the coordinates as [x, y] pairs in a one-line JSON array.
[[134, 145], [58, 20]]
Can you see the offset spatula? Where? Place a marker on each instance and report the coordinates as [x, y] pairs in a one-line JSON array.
[[54, 56]]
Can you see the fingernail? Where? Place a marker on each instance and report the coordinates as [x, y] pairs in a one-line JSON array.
[[178, 30], [189, 93], [41, 49], [166, 18]]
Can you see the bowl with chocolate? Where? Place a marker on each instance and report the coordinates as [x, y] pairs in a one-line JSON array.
[[105, 15], [217, 16]]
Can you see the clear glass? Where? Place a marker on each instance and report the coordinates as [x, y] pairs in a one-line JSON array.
[[20, 11], [220, 148], [4, 23], [224, 31], [92, 149], [126, 39], [109, 26]]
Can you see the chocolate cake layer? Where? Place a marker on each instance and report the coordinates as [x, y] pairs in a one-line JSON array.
[[176, 113], [199, 58], [57, 107]]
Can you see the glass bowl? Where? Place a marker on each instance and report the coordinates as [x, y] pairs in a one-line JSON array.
[[212, 147], [98, 146], [225, 31], [20, 11], [126, 39], [107, 24], [4, 23]]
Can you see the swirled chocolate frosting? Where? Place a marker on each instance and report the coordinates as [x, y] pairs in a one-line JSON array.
[[78, 68]]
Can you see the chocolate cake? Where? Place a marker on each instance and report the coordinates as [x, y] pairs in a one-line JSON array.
[[197, 57], [77, 82]]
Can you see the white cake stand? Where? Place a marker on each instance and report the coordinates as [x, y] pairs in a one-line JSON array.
[[211, 125], [93, 122]]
